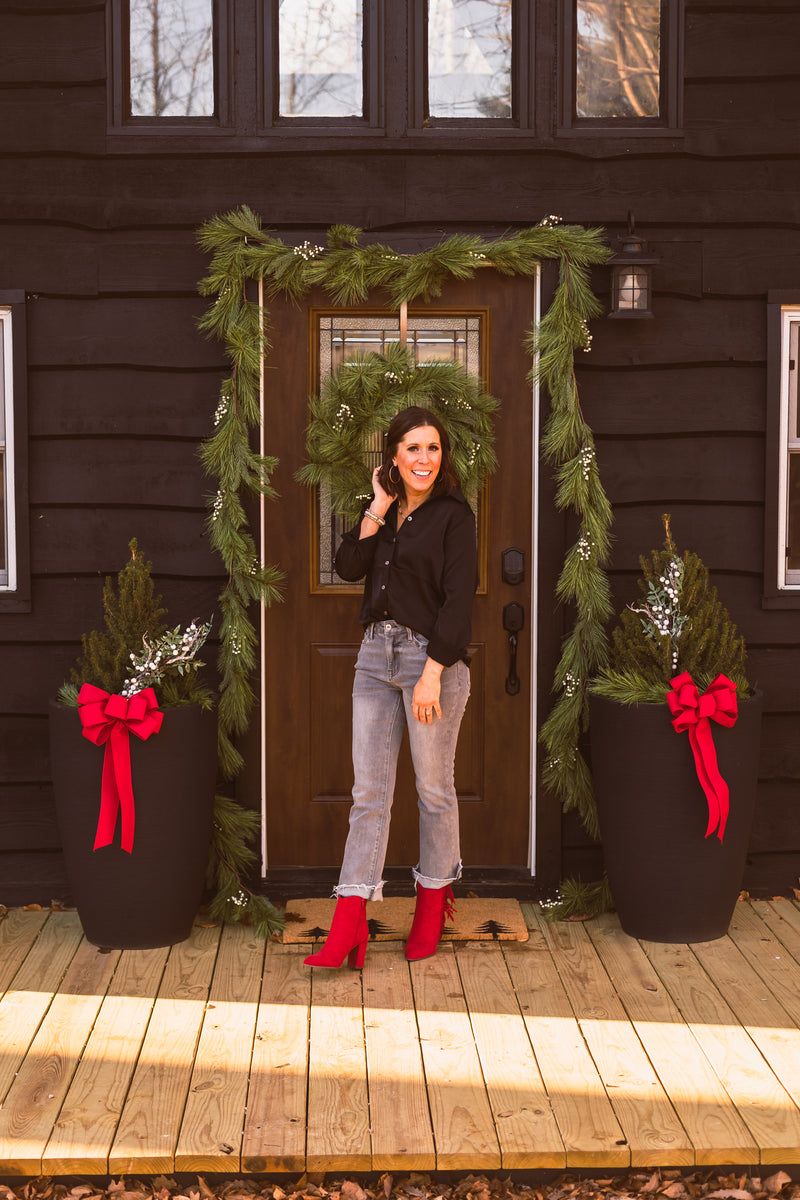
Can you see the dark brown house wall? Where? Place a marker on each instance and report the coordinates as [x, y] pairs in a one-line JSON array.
[[99, 230]]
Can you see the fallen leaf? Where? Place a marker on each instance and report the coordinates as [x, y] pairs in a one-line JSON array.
[[776, 1182]]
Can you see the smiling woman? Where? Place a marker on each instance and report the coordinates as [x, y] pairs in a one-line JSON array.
[[416, 544]]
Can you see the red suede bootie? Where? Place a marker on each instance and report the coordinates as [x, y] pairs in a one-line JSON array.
[[347, 936], [434, 906]]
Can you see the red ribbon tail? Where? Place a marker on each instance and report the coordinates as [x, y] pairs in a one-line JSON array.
[[109, 801], [708, 773], [116, 792]]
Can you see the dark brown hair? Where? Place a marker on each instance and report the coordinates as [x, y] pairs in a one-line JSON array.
[[402, 423]]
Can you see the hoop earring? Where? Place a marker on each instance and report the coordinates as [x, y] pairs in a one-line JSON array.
[[395, 467]]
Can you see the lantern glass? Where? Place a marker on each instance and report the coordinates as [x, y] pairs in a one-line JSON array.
[[631, 288]]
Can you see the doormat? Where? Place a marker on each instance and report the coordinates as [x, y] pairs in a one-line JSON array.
[[390, 920]]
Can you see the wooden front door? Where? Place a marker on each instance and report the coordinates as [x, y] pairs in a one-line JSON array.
[[311, 640]]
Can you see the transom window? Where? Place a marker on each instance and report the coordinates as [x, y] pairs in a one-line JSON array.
[[320, 46], [618, 58], [171, 58], [220, 68], [469, 58], [440, 338]]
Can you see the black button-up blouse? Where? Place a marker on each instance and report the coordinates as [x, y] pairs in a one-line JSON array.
[[422, 575]]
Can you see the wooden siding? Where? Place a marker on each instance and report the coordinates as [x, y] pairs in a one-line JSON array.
[[97, 226]]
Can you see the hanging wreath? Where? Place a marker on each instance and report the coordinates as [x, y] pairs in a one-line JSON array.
[[348, 270], [358, 401]]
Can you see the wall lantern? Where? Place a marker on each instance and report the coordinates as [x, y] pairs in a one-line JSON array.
[[631, 276]]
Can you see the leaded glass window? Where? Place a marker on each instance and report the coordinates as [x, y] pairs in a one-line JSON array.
[[439, 338]]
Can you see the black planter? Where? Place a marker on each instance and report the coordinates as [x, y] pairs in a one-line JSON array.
[[149, 897], [669, 882]]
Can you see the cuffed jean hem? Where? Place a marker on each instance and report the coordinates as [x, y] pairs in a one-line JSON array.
[[364, 891], [426, 882]]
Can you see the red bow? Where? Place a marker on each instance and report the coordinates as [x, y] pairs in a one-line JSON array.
[[112, 719], [694, 712]]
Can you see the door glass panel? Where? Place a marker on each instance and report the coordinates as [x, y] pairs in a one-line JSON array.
[[469, 58], [431, 339], [618, 63], [321, 61], [172, 58]]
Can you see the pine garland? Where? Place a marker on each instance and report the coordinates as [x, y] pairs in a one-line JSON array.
[[241, 252]]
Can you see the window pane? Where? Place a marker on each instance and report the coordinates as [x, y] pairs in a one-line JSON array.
[[172, 58], [618, 44], [321, 67], [793, 523], [5, 326], [469, 58], [3, 532]]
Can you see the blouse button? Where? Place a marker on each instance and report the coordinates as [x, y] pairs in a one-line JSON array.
[[383, 587], [386, 563]]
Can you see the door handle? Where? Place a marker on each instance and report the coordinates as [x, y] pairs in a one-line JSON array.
[[513, 621]]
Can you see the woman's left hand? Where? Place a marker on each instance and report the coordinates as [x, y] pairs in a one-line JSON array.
[[427, 690]]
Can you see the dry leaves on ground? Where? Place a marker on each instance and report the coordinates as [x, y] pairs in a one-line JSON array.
[[669, 1184]]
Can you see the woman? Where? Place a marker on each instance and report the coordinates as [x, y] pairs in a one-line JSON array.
[[416, 544]]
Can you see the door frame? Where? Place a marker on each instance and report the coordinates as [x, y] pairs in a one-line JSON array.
[[531, 664]]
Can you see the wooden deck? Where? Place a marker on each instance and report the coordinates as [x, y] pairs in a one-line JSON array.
[[581, 1048]]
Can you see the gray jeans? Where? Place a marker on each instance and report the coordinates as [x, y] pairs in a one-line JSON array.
[[390, 662]]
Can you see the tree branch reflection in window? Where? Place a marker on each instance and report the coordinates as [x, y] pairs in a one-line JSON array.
[[321, 62], [172, 58], [469, 58], [618, 45]]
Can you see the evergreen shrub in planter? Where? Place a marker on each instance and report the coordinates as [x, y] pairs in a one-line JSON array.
[[134, 772], [672, 717]]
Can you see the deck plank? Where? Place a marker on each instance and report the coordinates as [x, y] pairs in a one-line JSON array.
[[525, 1124], [33, 1103], [148, 1130], [763, 1103], [758, 1011], [211, 1133], [18, 931], [651, 1126], [83, 1134], [463, 1125], [26, 1001], [488, 1056], [705, 1109], [275, 1122], [338, 1107], [769, 955], [402, 1137], [586, 1121], [782, 917]]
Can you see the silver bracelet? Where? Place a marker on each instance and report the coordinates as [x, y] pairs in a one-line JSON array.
[[373, 517]]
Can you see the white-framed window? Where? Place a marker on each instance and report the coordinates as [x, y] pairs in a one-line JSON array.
[[8, 516], [789, 453]]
